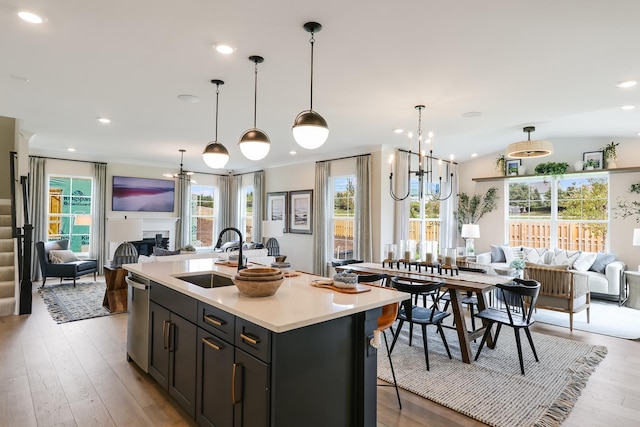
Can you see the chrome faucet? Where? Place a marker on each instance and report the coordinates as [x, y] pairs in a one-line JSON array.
[[219, 244]]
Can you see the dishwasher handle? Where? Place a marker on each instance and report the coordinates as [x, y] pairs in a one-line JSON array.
[[136, 284]]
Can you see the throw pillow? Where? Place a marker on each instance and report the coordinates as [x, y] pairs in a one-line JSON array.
[[584, 261], [564, 257], [508, 253], [497, 254], [164, 252], [534, 255], [60, 256], [601, 262]]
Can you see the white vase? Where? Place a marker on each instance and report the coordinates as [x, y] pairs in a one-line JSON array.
[[578, 165], [588, 168], [522, 170], [610, 162]]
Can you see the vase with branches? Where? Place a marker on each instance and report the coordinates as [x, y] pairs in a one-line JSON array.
[[472, 208]]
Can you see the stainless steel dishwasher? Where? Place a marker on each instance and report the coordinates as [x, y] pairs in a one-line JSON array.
[[138, 321]]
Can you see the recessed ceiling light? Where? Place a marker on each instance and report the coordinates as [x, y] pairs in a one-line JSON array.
[[474, 155], [627, 83], [223, 48], [471, 114], [397, 130], [31, 17], [71, 149], [104, 120], [451, 157], [188, 98], [293, 152], [628, 107]]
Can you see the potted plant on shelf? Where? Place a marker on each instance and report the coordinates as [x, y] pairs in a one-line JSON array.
[[590, 165], [610, 155], [552, 168], [501, 164]]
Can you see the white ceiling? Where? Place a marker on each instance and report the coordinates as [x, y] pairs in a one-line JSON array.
[[549, 63]]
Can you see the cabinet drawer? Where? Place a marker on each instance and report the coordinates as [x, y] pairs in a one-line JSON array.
[[253, 339], [181, 304], [216, 321]]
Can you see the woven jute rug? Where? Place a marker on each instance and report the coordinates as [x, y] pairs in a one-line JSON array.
[[492, 390], [68, 304]]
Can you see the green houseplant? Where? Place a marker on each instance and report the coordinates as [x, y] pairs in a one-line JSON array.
[[590, 164], [552, 168], [471, 209], [501, 164], [610, 155]]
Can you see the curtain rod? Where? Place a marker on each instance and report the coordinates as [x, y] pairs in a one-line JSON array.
[[434, 158], [67, 160], [342, 158]]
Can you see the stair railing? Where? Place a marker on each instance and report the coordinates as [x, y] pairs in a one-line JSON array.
[[24, 236]]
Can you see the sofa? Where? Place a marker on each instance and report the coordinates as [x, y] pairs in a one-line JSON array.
[[600, 273], [57, 261]]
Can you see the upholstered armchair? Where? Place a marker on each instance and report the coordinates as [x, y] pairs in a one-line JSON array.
[[559, 290], [68, 269]]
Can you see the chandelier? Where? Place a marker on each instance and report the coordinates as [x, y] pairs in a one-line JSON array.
[[529, 148], [425, 172]]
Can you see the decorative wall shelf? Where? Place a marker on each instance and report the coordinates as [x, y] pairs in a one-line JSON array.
[[616, 170]]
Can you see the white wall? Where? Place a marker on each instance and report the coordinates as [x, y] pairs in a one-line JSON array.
[[493, 225]]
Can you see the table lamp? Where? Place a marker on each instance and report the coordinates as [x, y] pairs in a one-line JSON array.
[[124, 231], [272, 229], [636, 239], [470, 232]]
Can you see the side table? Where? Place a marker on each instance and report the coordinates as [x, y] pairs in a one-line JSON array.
[[632, 278], [115, 296]]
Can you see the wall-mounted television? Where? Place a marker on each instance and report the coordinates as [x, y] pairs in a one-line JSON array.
[[142, 194]]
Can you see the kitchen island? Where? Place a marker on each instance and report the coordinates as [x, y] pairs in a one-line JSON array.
[[301, 356]]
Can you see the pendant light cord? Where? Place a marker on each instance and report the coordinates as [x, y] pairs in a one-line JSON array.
[[217, 96], [312, 41], [255, 94]]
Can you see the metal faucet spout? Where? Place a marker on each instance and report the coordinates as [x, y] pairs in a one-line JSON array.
[[219, 244]]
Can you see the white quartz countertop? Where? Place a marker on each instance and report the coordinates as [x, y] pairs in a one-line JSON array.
[[295, 305]]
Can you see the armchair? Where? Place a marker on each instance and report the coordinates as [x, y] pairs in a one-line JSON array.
[[66, 270]]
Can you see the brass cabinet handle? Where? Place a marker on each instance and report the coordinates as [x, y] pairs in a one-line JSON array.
[[213, 320], [236, 367], [171, 337], [211, 344], [247, 338], [165, 333]]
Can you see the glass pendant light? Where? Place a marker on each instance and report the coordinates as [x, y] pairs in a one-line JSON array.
[[215, 155], [254, 143], [310, 129]]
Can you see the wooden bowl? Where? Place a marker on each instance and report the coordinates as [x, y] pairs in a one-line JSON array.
[[269, 278], [257, 288], [259, 272]]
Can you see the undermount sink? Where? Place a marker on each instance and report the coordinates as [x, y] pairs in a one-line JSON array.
[[207, 280]]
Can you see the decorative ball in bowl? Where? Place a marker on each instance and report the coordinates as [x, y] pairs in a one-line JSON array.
[[345, 280]]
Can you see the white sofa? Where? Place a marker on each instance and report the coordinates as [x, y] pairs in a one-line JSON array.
[[258, 256], [602, 273]]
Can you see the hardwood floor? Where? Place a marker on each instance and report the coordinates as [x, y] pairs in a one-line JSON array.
[[77, 374]]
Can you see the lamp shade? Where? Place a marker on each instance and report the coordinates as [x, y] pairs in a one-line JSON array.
[[273, 228], [470, 231], [254, 144], [215, 155], [636, 237], [526, 149], [124, 230], [310, 130]]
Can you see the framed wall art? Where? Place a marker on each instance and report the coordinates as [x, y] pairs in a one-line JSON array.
[[512, 166], [300, 212], [593, 159], [277, 208]]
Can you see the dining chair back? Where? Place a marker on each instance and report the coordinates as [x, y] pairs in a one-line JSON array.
[[520, 299], [422, 316]]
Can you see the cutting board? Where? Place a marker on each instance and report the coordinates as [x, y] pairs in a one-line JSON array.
[[357, 290]]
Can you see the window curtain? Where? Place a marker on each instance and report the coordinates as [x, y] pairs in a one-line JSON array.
[[449, 226], [401, 214], [97, 246], [228, 206], [258, 197], [322, 220], [183, 209], [363, 239], [38, 208]]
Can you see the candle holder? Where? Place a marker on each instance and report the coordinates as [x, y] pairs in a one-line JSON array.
[[391, 255]]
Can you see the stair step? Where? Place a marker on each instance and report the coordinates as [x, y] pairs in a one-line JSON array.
[[7, 274], [7, 259], [5, 206], [6, 245], [7, 289], [5, 233], [7, 306], [5, 220]]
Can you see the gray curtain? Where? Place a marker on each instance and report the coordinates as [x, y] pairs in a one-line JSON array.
[[258, 207], [228, 213], [449, 227], [363, 239], [401, 214], [183, 209], [322, 218], [97, 243], [37, 208]]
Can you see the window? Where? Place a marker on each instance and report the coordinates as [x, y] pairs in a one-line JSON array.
[[568, 212], [68, 197], [202, 215], [423, 217], [247, 213], [344, 193]]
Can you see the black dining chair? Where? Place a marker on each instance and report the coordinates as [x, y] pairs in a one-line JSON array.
[[422, 316], [520, 302], [471, 301]]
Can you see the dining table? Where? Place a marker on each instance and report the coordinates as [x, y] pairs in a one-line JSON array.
[[456, 283]]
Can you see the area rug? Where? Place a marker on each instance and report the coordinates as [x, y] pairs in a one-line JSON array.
[[68, 304], [492, 390], [607, 318]]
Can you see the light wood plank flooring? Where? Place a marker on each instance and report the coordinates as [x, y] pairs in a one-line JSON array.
[[76, 374]]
